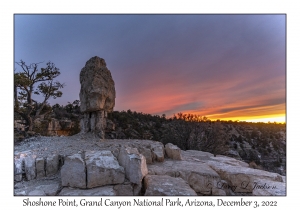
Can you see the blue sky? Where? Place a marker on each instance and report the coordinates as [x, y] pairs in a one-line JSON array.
[[220, 66]]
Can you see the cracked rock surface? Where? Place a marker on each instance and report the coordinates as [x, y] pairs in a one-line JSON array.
[[84, 164]]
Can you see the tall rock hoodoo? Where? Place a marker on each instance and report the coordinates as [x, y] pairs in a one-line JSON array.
[[97, 96]]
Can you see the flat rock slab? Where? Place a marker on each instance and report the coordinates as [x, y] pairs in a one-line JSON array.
[[264, 187], [229, 161], [103, 169], [164, 185], [98, 191], [73, 172], [198, 175], [38, 187], [124, 189], [37, 192], [194, 155], [242, 178]]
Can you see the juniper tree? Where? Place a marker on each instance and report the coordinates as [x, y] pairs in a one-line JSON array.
[[31, 81]]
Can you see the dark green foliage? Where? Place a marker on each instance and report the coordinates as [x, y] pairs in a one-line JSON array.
[[254, 134], [253, 156], [239, 139], [190, 131], [177, 132], [138, 125], [41, 127], [277, 163], [70, 111], [31, 81]]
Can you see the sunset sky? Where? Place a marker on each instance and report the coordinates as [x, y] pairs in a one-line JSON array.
[[230, 67]]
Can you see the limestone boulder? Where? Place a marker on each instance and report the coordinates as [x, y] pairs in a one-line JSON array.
[[52, 163], [173, 151], [40, 167], [73, 172], [158, 153], [134, 164], [18, 168], [164, 185], [198, 175], [223, 188], [30, 169], [147, 154], [265, 187], [103, 169], [97, 86], [153, 151], [242, 178], [125, 189]]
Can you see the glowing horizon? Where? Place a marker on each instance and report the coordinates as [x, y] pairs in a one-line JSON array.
[[219, 66], [264, 119], [281, 118]]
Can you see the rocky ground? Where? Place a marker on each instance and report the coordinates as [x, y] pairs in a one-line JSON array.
[[64, 145], [83, 164]]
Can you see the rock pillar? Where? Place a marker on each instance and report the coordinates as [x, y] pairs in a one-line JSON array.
[[97, 96]]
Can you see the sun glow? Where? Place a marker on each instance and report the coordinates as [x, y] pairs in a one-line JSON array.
[[265, 119], [278, 119]]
